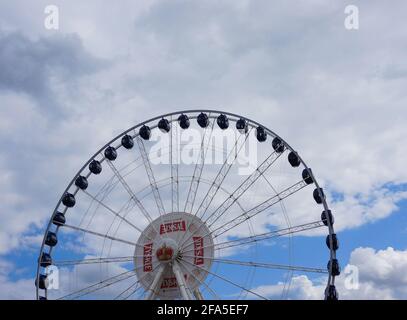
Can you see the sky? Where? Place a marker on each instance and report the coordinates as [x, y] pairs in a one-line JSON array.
[[336, 95]]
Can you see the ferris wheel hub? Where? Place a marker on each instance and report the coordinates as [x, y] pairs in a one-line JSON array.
[[177, 239]]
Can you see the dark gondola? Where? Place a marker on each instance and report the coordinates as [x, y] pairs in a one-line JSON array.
[[51, 239], [203, 120], [293, 159], [261, 134], [183, 121], [95, 167], [68, 200], [110, 153], [223, 122], [164, 125], [81, 182], [59, 219], [242, 125], [145, 132], [127, 141]]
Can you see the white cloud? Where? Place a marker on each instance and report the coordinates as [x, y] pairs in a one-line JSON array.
[[337, 97], [300, 288], [381, 276], [17, 289]]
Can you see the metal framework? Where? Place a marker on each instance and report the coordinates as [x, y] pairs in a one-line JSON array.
[[220, 209]]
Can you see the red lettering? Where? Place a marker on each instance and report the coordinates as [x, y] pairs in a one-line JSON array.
[[198, 250], [147, 258], [170, 282], [174, 226]]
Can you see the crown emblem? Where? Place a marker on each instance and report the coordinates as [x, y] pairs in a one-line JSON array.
[[164, 253]]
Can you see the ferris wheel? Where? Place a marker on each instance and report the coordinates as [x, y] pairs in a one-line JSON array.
[[198, 204]]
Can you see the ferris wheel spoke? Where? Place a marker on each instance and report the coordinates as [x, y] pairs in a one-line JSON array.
[[227, 280], [261, 237], [249, 214], [92, 261], [266, 265], [150, 175], [113, 211], [99, 197], [183, 240], [243, 187], [98, 234], [220, 177], [129, 291], [130, 191], [100, 285], [140, 294], [269, 235], [196, 292], [196, 177], [174, 168]]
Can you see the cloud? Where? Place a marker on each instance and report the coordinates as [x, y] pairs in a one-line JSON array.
[[21, 289], [300, 288], [381, 275], [14, 289], [337, 97], [69, 281], [35, 75], [40, 67]]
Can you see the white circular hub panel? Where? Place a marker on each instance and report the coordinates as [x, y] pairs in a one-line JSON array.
[[175, 236]]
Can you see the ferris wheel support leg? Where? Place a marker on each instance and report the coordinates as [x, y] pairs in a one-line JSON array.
[[153, 288], [198, 294], [185, 292]]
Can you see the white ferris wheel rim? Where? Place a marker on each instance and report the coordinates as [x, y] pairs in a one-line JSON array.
[[209, 259]]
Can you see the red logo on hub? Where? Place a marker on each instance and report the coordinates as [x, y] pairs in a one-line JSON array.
[[173, 226], [198, 250], [147, 257]]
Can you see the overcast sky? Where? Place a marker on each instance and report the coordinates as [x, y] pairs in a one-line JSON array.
[[336, 95]]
